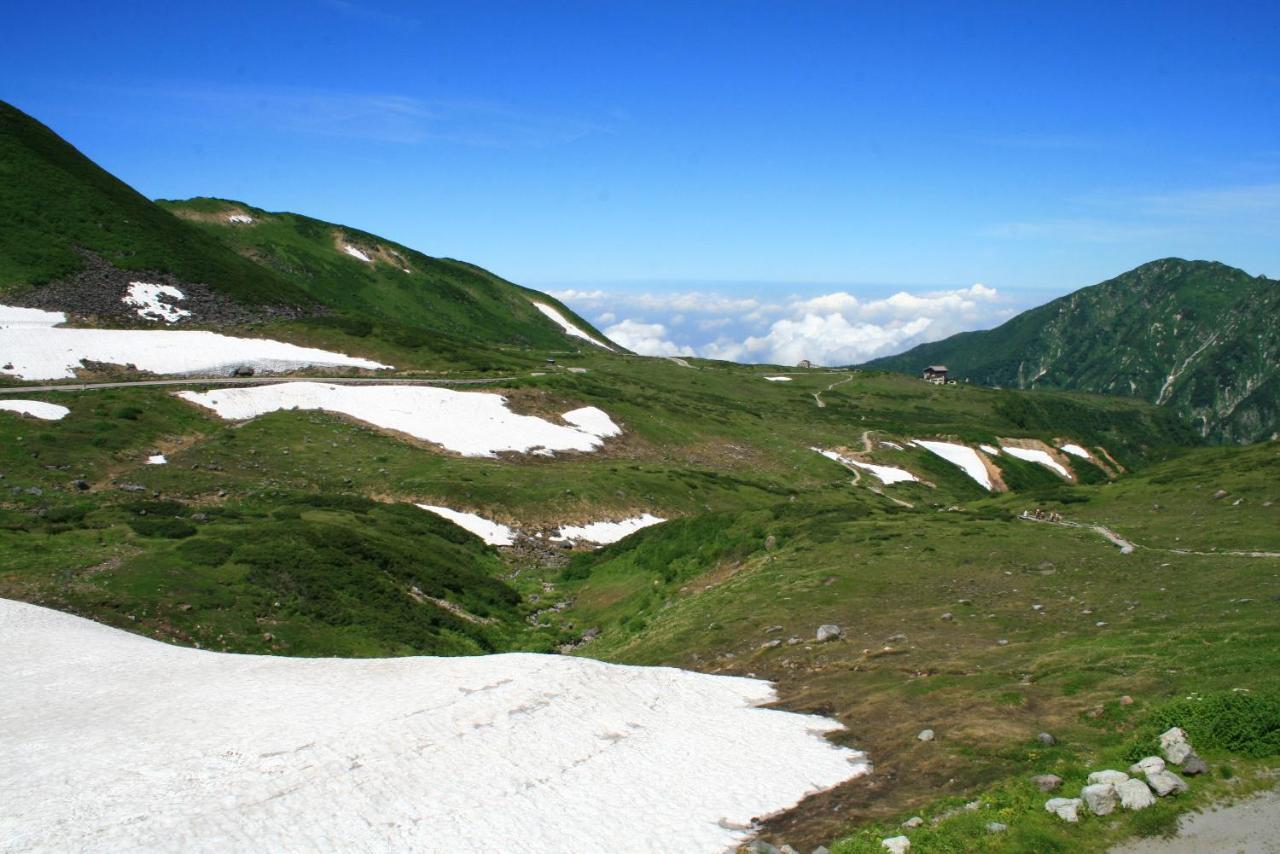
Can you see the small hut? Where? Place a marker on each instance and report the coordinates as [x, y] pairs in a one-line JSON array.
[[935, 374]]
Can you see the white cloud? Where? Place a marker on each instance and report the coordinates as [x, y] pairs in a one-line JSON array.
[[647, 339]]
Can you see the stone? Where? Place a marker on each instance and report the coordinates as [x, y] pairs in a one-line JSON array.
[[914, 821], [1046, 739], [1174, 746], [772, 644], [81, 485], [1067, 809], [996, 827], [1220, 494], [770, 543], [925, 735], [828, 632], [1126, 700], [821, 849], [1150, 765], [1113, 777], [1047, 782], [1165, 783], [759, 846], [1100, 798], [787, 849], [948, 616], [896, 844], [1193, 766], [1135, 795]]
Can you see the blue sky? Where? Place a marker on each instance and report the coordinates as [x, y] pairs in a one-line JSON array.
[[709, 168]]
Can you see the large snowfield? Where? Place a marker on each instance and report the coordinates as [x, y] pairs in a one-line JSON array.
[[112, 741], [471, 423], [604, 533], [569, 327], [35, 408], [1036, 455], [962, 456], [34, 347], [493, 533]]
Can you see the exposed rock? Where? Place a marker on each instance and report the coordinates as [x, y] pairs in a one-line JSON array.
[[1174, 746], [1135, 795], [896, 844], [925, 735], [1067, 809], [787, 849], [996, 827], [1150, 765], [1046, 739], [1100, 798], [1126, 700], [771, 644], [1047, 782], [1165, 783], [821, 849], [1193, 766], [759, 846], [1220, 494], [1113, 777], [914, 821], [828, 632], [770, 542], [948, 616]]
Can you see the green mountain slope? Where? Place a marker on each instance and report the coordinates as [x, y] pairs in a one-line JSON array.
[[385, 280], [1197, 336], [55, 201]]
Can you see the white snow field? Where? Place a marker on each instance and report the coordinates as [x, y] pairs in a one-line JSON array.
[[989, 449], [145, 298], [887, 475], [116, 742], [38, 349], [604, 533], [778, 379], [962, 456], [1076, 451], [157, 460], [245, 219], [356, 253], [471, 423], [36, 409], [493, 533], [1035, 455], [567, 325]]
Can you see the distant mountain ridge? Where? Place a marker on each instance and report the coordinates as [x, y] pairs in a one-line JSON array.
[[1199, 337], [72, 236]]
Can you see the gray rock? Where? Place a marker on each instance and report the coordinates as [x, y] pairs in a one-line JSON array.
[[1067, 809], [1135, 795], [772, 644], [787, 849], [1150, 765], [996, 827], [1047, 782], [1193, 766], [914, 821], [1174, 746], [821, 849], [81, 485], [1100, 798], [925, 735], [1220, 494], [828, 632], [1165, 783], [1115, 778], [896, 844], [759, 846], [1046, 739]]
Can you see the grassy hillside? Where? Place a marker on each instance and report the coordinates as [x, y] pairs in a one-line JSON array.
[[1196, 336], [55, 201], [396, 284]]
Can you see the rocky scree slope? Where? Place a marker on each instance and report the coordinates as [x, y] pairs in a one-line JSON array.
[[1197, 336]]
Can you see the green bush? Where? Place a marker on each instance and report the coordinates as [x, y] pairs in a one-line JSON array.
[[155, 526], [203, 551], [1237, 722]]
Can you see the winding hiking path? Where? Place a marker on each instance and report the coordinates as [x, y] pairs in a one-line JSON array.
[[1128, 547], [817, 395]]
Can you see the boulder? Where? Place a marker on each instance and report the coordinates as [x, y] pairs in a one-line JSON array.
[[914, 821], [759, 846], [1150, 765], [1193, 765], [896, 844], [828, 632], [1100, 798], [925, 735], [1067, 809], [1135, 795], [1047, 782], [1165, 783], [1174, 746], [1112, 777], [1046, 739], [821, 849]]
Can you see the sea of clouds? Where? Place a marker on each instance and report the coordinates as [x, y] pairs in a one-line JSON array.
[[836, 328]]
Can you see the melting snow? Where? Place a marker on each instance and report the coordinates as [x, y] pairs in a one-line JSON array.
[[963, 456], [886, 474], [567, 325], [988, 449], [241, 218], [1035, 455], [1076, 451], [889, 444], [40, 350], [603, 533], [145, 297], [356, 253], [492, 533], [778, 379], [113, 741], [36, 409], [156, 460], [471, 423]]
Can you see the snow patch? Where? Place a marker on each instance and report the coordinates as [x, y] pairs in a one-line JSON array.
[[778, 379], [36, 409], [240, 218], [886, 443], [145, 298], [117, 742], [1076, 451], [40, 350], [962, 456], [603, 533], [157, 460], [1035, 455], [356, 253], [567, 325], [491, 532], [887, 475], [988, 449], [471, 423]]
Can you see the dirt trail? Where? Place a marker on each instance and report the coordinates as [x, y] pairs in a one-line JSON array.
[[1127, 547], [1252, 825], [817, 395]]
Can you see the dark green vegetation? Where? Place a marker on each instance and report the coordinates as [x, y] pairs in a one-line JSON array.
[[1199, 337]]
